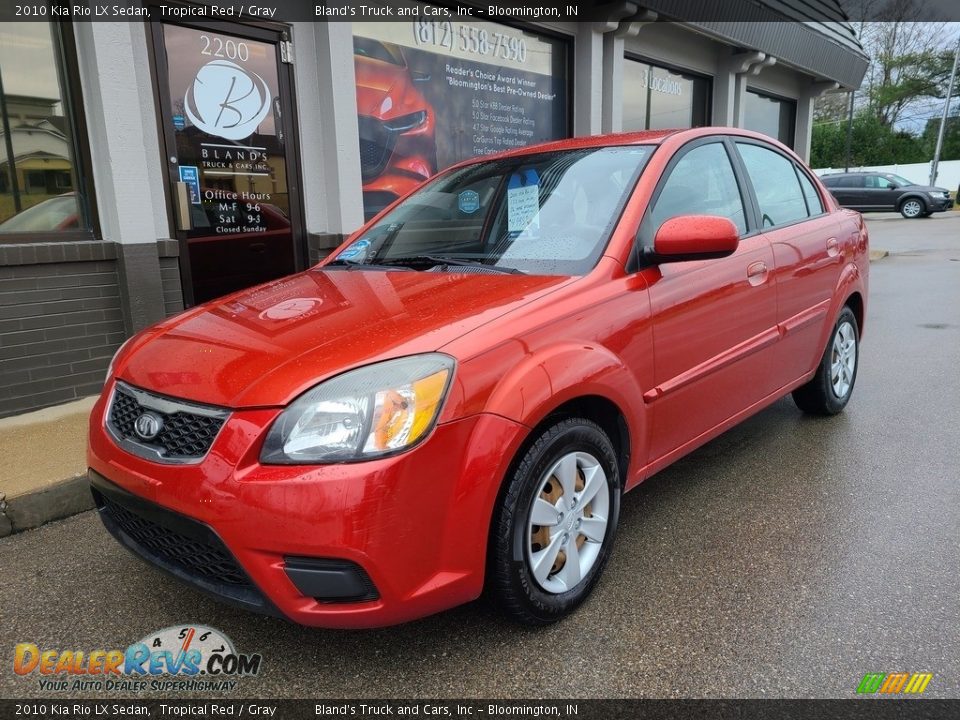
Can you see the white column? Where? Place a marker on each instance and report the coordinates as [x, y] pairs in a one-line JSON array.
[[121, 118], [729, 87], [804, 123], [588, 80], [327, 119]]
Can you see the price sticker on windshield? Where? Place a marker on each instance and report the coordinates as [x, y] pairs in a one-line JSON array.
[[523, 202]]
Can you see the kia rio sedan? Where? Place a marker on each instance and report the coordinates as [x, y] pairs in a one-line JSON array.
[[455, 401]]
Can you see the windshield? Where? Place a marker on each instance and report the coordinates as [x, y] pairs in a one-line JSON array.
[[545, 214], [899, 180]]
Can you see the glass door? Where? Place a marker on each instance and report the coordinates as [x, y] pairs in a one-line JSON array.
[[227, 124]]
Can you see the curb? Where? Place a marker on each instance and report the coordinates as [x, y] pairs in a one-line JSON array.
[[53, 502]]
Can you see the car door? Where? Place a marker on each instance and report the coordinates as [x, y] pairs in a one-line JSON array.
[[806, 250], [714, 321], [849, 191], [880, 193]]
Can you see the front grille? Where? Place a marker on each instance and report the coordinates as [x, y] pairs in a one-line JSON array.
[[207, 558], [376, 147], [187, 432], [179, 545]]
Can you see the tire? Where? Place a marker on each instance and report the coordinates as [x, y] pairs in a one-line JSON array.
[[912, 208], [830, 389], [568, 458]]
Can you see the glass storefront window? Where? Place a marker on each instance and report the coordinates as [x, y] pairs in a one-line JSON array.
[[39, 189], [772, 116], [433, 93], [657, 98]]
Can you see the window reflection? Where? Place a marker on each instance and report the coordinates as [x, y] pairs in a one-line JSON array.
[[656, 98], [37, 162], [771, 116]]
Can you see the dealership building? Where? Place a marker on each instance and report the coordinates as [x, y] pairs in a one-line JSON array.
[[149, 165]]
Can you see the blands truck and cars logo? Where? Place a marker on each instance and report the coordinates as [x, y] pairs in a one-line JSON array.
[[181, 657], [227, 100]]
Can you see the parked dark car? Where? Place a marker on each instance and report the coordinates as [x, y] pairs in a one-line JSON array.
[[885, 192]]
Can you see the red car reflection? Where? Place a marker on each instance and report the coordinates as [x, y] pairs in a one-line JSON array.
[[397, 148]]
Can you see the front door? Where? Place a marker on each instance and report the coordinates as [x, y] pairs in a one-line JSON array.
[[227, 115]]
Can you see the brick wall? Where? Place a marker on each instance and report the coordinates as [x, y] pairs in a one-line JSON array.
[[60, 322]]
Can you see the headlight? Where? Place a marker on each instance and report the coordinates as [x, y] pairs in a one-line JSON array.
[[939, 195], [365, 413], [406, 122]]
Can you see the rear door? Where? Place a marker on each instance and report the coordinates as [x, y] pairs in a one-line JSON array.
[[848, 190], [714, 321], [807, 258]]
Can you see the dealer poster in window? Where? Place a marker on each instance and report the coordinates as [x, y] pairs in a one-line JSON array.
[[433, 93]]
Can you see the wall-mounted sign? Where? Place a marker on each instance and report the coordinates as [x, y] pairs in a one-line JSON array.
[[432, 93]]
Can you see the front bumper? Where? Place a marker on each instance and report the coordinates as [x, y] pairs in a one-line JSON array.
[[413, 526], [940, 205]]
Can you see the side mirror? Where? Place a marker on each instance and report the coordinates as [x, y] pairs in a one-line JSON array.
[[693, 237]]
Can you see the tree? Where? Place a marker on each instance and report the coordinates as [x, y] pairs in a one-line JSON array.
[[872, 143]]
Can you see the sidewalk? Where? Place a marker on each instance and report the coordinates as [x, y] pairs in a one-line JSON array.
[[43, 476]]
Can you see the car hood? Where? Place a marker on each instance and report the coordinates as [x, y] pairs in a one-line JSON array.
[[264, 346], [925, 188]]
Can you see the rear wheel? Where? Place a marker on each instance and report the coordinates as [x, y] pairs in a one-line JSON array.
[[830, 389], [555, 524], [912, 208]]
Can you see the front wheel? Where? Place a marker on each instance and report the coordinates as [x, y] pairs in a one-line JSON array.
[[554, 527], [830, 389], [912, 208]]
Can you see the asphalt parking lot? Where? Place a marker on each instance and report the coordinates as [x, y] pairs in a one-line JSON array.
[[785, 559]]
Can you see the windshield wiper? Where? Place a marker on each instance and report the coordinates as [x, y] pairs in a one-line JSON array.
[[354, 265], [438, 260]]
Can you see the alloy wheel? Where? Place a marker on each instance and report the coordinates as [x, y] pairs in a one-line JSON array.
[[912, 208]]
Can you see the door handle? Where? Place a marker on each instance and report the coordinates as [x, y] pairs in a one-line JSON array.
[[181, 201], [833, 247], [757, 273]]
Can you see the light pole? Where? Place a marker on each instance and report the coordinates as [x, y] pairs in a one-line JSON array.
[[943, 118]]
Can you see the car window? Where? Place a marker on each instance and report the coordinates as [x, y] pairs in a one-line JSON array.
[[814, 204], [830, 181], [776, 185], [701, 183], [880, 182], [847, 181]]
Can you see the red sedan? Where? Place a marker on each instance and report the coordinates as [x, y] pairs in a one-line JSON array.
[[455, 401]]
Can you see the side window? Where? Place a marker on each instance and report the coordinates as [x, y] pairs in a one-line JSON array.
[[830, 181], [701, 183], [814, 204], [776, 185]]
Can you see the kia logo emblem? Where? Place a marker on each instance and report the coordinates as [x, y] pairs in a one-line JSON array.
[[148, 426], [226, 100]]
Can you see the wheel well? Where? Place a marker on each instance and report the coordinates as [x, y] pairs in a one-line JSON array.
[[902, 200], [604, 413], [855, 303]]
